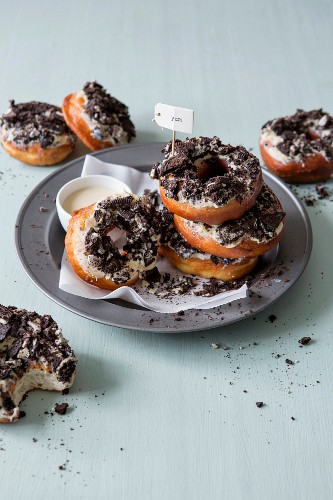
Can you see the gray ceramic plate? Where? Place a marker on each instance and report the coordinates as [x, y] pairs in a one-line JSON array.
[[40, 245]]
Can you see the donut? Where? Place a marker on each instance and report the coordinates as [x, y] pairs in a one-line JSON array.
[[207, 181], [299, 148], [97, 118], [36, 133], [255, 233], [93, 254], [189, 260], [34, 355]]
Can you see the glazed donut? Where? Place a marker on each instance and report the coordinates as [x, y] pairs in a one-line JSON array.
[[255, 233], [207, 181], [189, 260], [34, 355], [36, 133], [99, 120], [299, 148], [93, 255]]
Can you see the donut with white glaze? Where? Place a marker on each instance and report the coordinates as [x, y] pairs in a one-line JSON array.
[[299, 148], [93, 254], [33, 355], [97, 118], [36, 133], [255, 233], [189, 260], [207, 181]]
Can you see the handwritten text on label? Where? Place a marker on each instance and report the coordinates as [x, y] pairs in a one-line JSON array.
[[174, 118]]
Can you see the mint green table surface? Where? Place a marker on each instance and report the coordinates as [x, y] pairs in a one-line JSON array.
[[158, 416]]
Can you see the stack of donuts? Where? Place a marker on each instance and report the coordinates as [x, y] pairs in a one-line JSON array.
[[219, 215]]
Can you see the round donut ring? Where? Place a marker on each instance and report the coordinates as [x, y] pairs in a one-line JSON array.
[[299, 148], [97, 118], [36, 133], [207, 181], [255, 233], [189, 260], [93, 255]]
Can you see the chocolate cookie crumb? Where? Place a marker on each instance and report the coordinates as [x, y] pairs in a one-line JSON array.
[[293, 418], [259, 404], [309, 200], [322, 191], [272, 318], [61, 409], [304, 340], [289, 362]]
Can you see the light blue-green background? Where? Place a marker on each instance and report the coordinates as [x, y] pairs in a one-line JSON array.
[[157, 416]]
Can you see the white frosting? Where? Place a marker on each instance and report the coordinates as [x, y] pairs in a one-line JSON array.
[[270, 140], [10, 135], [98, 130], [211, 232]]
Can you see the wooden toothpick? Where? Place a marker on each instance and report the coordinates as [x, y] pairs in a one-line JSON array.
[[173, 142]]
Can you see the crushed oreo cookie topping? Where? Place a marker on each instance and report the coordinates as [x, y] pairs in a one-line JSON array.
[[303, 134], [31, 122], [172, 238], [260, 223], [141, 223], [33, 354], [206, 170], [108, 115]]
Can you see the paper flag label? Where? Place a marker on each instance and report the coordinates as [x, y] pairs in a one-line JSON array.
[[173, 118]]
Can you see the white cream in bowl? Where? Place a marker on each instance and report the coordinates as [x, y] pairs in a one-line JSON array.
[[83, 191]]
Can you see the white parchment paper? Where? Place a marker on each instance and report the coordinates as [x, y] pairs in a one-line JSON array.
[[71, 283]]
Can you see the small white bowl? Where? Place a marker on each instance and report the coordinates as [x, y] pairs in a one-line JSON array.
[[94, 187]]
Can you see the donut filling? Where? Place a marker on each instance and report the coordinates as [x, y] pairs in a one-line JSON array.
[[35, 122], [261, 223], [139, 220], [205, 172], [303, 134], [107, 117], [33, 354]]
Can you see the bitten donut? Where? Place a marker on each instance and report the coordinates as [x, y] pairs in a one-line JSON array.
[[255, 233], [208, 181], [36, 133], [93, 254], [33, 355], [299, 148], [189, 260], [97, 118]]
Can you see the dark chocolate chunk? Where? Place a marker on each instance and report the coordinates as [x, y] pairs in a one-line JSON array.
[[61, 409], [304, 340]]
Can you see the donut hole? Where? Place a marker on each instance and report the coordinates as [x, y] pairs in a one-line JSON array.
[[118, 238], [210, 167]]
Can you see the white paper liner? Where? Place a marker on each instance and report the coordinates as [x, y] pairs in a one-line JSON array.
[[71, 283]]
